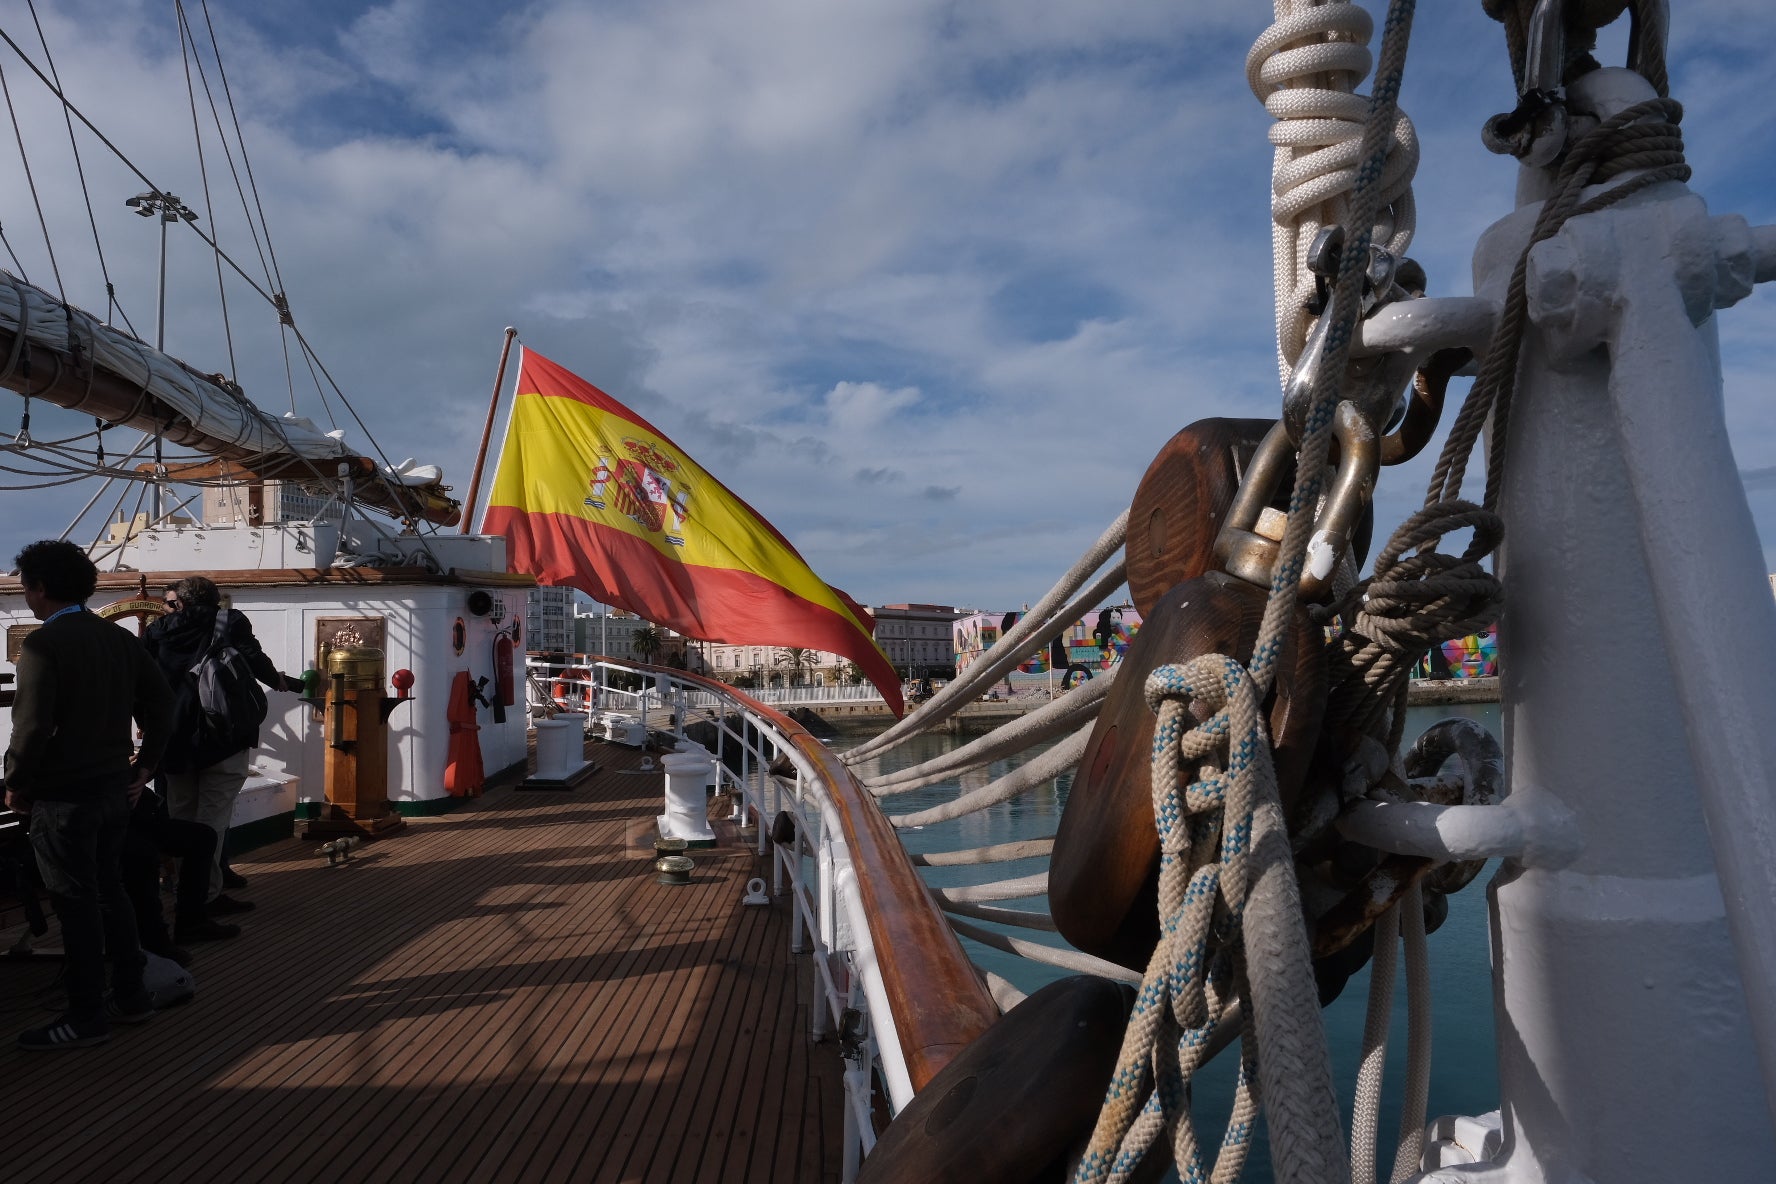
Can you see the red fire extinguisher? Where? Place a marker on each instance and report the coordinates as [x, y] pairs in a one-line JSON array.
[[505, 671]]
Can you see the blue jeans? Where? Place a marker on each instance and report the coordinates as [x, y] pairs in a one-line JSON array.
[[78, 845]]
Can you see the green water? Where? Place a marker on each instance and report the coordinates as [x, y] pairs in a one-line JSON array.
[[1464, 1078]]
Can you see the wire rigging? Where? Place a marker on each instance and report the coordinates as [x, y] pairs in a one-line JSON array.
[[111, 302], [403, 501], [188, 51], [31, 180]]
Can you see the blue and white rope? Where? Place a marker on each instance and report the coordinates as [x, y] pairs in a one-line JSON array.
[[1204, 817]]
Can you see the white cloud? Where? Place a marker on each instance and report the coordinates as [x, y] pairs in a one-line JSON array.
[[927, 283]]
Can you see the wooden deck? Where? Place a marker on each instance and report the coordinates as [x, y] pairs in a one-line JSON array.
[[500, 993]]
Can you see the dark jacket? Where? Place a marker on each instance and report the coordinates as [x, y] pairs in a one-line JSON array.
[[176, 642], [80, 681]]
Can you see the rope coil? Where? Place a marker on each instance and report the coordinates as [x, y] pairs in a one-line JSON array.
[[1303, 68]]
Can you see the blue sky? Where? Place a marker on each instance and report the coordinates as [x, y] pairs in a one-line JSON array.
[[928, 283]]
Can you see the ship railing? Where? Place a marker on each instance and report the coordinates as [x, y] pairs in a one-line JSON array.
[[855, 892]]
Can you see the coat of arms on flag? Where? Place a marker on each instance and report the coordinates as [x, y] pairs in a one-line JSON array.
[[591, 495]]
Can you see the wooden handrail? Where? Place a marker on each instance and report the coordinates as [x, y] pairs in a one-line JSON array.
[[940, 1004]]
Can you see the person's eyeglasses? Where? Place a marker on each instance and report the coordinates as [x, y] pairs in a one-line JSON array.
[[172, 602]]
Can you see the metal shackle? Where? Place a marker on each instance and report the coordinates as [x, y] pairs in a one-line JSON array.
[[1250, 555]]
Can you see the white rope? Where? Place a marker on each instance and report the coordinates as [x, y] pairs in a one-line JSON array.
[[1014, 889], [1003, 656], [1005, 995], [1046, 767], [1052, 719], [1062, 956], [1366, 1107], [1303, 69], [995, 853], [1018, 918], [1418, 1038]]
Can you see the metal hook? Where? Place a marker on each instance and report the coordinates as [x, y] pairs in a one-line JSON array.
[[1249, 554], [1375, 384], [1535, 131]]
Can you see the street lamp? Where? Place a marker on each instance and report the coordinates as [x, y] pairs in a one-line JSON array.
[[169, 209]]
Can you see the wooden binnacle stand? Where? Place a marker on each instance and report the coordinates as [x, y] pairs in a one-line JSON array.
[[356, 719]]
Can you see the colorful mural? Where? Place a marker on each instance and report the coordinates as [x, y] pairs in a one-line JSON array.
[[1092, 643], [1465, 657]]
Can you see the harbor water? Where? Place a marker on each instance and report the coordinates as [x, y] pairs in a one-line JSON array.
[[1464, 1076]]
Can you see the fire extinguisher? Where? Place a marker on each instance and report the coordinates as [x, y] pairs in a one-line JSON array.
[[505, 679]]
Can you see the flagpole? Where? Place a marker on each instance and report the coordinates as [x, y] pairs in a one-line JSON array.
[[499, 380]]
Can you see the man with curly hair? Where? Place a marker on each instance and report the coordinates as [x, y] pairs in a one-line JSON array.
[[73, 767]]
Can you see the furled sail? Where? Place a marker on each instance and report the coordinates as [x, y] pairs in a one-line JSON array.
[[64, 355]]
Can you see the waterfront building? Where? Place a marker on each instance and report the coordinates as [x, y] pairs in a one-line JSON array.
[[277, 501], [550, 622], [918, 638], [771, 665], [915, 637], [597, 630]]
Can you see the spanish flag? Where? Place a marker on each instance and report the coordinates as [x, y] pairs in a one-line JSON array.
[[591, 495]]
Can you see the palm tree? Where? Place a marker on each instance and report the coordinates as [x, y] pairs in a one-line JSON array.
[[795, 657], [647, 643]]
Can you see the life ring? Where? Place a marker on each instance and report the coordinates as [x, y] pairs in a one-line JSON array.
[[573, 684]]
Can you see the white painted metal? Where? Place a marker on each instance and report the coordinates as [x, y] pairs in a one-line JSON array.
[[1530, 826], [687, 804], [1618, 969], [555, 741], [418, 620]]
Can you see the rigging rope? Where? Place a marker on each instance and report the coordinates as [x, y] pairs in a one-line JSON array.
[[1033, 630], [111, 303], [31, 181], [398, 493], [1204, 815], [1413, 602], [187, 51], [1224, 845], [1303, 68]]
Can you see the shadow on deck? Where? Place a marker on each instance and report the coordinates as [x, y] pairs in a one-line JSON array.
[[501, 993]]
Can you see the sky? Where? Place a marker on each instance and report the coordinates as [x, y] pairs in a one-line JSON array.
[[928, 283]]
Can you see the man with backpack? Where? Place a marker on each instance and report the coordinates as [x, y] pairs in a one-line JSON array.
[[211, 658]]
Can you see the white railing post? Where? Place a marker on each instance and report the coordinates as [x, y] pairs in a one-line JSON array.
[[824, 903]]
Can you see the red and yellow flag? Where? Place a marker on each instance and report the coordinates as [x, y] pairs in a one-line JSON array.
[[591, 495]]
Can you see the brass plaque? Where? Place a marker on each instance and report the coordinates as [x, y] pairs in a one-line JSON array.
[[15, 638]]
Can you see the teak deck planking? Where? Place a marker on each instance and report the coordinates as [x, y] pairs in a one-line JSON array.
[[503, 992]]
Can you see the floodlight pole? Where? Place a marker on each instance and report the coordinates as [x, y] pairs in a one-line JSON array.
[[167, 208]]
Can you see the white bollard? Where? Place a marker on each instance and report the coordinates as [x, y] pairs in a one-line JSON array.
[[687, 807], [555, 744]]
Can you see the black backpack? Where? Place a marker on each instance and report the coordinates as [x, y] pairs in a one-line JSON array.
[[230, 703]]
